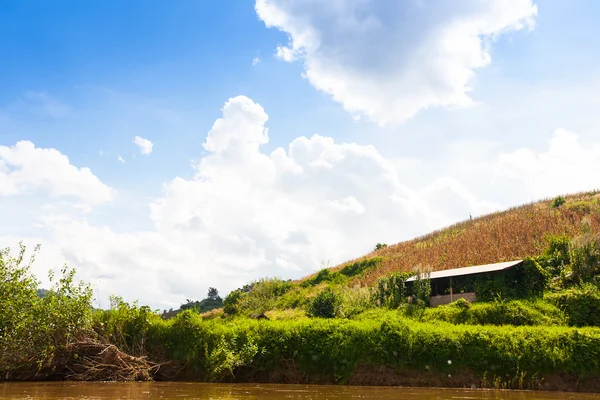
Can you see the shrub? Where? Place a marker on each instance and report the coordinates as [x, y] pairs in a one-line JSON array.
[[516, 312], [525, 280], [325, 275], [585, 254], [326, 304], [125, 325], [35, 331], [581, 304], [354, 301], [583, 207], [390, 290], [558, 201], [230, 304], [262, 296], [557, 254], [361, 266], [330, 349], [379, 246]]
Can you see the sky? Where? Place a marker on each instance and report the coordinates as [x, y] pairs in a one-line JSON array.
[[161, 148]]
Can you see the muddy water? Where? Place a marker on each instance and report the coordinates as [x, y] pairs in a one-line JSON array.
[[64, 390]]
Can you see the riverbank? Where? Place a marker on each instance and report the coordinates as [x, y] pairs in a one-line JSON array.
[[537, 327], [390, 350]]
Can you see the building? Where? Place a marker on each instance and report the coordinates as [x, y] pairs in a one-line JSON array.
[[449, 285]]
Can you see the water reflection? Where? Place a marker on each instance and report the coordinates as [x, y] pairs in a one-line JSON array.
[[178, 390]]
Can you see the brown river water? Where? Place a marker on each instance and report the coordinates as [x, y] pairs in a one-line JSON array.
[[204, 391]]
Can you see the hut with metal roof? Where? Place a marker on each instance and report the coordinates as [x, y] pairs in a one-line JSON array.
[[444, 284]]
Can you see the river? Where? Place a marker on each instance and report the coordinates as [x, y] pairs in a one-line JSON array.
[[203, 391]]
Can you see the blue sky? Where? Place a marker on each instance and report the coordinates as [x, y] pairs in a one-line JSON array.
[[423, 117]]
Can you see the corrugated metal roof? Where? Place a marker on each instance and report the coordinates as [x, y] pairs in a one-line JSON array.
[[478, 269]]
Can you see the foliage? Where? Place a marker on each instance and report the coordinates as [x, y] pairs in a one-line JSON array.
[[261, 297], [421, 286], [390, 290], [515, 312], [211, 302], [354, 301], [557, 253], [125, 325], [331, 349], [325, 275], [558, 201], [585, 254], [231, 301], [525, 280], [326, 304], [508, 235], [581, 304], [359, 267], [379, 246], [35, 331]]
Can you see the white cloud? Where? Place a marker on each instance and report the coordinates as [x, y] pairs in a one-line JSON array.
[[145, 145], [255, 61], [567, 166], [246, 213], [25, 168], [120, 159], [390, 59]]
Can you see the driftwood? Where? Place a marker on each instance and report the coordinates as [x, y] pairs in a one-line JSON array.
[[93, 360]]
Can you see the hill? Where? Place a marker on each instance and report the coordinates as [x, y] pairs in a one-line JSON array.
[[508, 235], [535, 327]]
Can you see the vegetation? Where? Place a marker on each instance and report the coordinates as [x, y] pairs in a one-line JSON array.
[[534, 324], [504, 236], [52, 336]]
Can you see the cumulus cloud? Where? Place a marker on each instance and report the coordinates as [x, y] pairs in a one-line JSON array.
[[120, 159], [566, 166], [255, 61], [144, 145], [390, 59], [25, 168], [245, 213]]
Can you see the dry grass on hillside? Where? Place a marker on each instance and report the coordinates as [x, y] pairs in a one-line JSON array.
[[503, 236]]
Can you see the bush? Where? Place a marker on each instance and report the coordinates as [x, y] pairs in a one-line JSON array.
[[585, 255], [325, 275], [125, 325], [361, 266], [390, 290], [526, 280], [354, 301], [558, 201], [326, 304], [557, 253], [231, 300], [261, 297], [514, 312], [34, 331], [581, 304], [330, 349]]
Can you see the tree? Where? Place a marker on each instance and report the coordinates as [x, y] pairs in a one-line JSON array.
[[213, 294]]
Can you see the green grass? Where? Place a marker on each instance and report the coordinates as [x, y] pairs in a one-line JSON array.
[[214, 350]]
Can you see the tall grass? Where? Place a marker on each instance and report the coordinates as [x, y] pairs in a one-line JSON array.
[[513, 234]]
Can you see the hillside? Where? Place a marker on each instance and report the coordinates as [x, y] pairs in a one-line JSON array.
[[508, 235], [535, 327]]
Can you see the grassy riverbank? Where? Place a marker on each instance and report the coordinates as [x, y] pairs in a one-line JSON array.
[[351, 324]]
